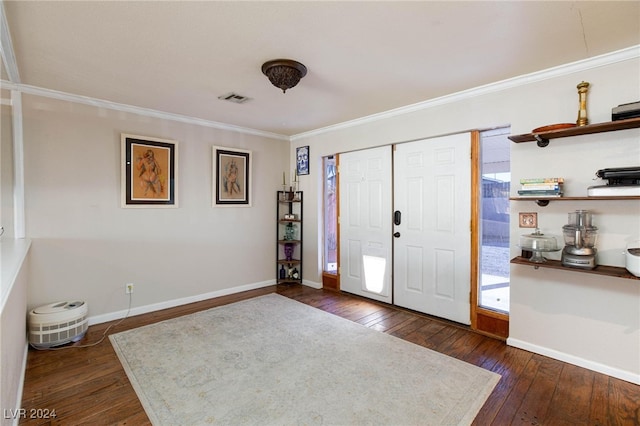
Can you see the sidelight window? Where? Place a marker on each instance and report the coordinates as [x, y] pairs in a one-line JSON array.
[[330, 254], [494, 220]]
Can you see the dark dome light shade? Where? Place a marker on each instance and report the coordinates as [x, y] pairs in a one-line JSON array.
[[284, 73]]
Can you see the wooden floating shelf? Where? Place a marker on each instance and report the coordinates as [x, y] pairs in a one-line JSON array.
[[543, 138], [610, 271], [290, 281], [288, 262], [287, 201]]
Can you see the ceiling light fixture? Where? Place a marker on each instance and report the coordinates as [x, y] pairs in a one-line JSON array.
[[284, 73]]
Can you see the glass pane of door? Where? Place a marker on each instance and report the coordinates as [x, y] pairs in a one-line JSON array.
[[494, 220], [330, 255]]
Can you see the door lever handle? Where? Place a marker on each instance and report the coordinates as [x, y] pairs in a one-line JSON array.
[[396, 234]]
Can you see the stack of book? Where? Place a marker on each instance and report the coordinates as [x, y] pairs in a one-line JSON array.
[[541, 187]]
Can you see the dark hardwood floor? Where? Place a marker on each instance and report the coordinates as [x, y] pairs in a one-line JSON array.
[[89, 386]]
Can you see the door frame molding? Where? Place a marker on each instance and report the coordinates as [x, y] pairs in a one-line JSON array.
[[484, 321]]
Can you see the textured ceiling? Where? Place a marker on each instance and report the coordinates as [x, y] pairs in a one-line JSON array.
[[363, 57]]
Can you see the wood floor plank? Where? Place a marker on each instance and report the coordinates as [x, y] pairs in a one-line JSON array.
[[510, 365], [599, 407], [512, 403], [376, 316], [466, 343], [536, 402], [354, 310], [89, 385], [391, 321], [486, 353], [441, 337], [447, 344], [625, 405], [401, 325], [571, 402]]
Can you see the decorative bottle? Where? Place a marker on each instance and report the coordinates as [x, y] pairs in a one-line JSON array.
[[283, 272]]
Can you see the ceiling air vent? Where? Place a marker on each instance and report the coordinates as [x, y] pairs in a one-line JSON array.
[[234, 97]]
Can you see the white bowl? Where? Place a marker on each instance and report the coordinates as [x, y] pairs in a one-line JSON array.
[[632, 258]]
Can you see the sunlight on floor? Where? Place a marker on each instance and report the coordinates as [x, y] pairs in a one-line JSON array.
[[374, 273]]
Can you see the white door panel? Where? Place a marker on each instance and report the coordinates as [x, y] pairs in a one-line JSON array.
[[365, 227], [432, 190]]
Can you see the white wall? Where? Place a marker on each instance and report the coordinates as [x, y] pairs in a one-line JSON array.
[[85, 246], [567, 315]]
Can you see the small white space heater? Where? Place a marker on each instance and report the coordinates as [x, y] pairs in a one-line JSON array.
[[57, 323]]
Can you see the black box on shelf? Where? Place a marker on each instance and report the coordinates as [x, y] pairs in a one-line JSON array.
[[624, 111]]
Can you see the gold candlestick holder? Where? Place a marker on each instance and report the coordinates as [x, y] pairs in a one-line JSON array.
[[582, 96]]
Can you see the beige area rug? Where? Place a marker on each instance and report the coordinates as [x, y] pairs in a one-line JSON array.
[[274, 361]]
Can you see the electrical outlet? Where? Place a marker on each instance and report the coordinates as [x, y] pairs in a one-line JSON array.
[[128, 288]]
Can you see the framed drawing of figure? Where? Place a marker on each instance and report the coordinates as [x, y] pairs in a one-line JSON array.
[[231, 177], [302, 160], [149, 169]]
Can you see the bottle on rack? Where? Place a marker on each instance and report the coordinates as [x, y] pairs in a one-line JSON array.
[[283, 272]]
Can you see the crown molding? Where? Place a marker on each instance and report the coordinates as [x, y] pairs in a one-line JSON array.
[[562, 70], [147, 112]]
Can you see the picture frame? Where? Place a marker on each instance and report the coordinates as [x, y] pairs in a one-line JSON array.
[[149, 169], [528, 219], [231, 177], [302, 160]]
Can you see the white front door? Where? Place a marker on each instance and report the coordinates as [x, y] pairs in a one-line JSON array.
[[365, 224], [432, 254]]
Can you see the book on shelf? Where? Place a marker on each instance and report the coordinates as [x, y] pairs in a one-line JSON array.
[[540, 194], [541, 186], [558, 180], [539, 191]]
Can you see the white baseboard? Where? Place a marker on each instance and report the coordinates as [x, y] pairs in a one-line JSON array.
[[177, 302], [580, 362], [312, 284]]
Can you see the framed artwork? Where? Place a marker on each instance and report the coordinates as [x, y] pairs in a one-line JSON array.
[[302, 160], [149, 170], [231, 177], [528, 220]]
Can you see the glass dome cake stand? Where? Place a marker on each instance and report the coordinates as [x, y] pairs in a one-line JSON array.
[[538, 243]]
